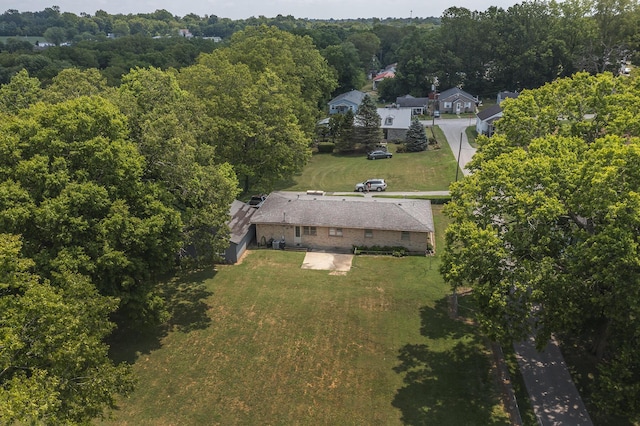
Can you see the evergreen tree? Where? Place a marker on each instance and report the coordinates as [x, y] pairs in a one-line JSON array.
[[416, 138], [367, 130], [344, 137]]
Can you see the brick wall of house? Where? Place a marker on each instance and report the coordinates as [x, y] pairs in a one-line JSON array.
[[418, 241]]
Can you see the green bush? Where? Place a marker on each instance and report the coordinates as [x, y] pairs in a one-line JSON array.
[[326, 147], [401, 148]]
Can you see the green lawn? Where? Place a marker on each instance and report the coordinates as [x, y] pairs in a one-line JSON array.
[[266, 342], [431, 170]]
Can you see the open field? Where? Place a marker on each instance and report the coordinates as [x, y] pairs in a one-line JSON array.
[[266, 342], [30, 39], [431, 170]]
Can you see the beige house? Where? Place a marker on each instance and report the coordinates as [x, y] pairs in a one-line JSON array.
[[340, 222]]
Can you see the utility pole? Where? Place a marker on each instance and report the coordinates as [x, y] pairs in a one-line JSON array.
[[459, 152]]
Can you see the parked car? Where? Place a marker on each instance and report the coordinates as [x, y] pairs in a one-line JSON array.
[[374, 155], [371, 185], [257, 200]]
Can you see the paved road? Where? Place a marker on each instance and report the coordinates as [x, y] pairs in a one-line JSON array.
[[454, 132]]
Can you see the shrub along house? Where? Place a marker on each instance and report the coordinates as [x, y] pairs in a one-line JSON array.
[[340, 223]]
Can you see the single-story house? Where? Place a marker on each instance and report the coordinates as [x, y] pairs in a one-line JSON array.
[[456, 101], [394, 122], [418, 105], [485, 120], [346, 101], [337, 223], [242, 230]]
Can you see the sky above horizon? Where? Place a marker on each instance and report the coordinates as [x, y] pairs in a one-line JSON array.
[[242, 9]]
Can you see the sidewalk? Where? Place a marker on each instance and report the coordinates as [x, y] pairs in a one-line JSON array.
[[554, 396]]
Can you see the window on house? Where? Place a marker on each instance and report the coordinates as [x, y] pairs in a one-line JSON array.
[[467, 104], [447, 105], [335, 232], [405, 236], [309, 230], [388, 121], [368, 233]]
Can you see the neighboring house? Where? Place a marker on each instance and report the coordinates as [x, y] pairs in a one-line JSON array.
[[418, 105], [456, 101], [183, 32], [485, 120], [505, 94], [394, 122], [339, 223], [346, 101], [242, 231], [381, 76]]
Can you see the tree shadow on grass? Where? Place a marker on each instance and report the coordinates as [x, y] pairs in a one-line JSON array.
[[435, 323], [184, 297], [445, 387]]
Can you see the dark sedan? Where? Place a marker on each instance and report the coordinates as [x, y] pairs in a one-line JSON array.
[[374, 155]]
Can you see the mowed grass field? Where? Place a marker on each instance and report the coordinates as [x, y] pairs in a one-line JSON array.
[[265, 342], [431, 170]]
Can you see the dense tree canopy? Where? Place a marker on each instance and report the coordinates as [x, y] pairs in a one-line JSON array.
[[54, 367], [71, 185], [261, 98], [546, 230]]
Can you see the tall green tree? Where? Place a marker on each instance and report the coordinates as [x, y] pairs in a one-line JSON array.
[[296, 62], [416, 139], [54, 366], [342, 131], [71, 183], [367, 130], [21, 92], [344, 59], [261, 97], [545, 230], [168, 125]]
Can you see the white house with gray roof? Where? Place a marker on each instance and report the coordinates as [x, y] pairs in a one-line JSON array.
[[394, 122], [339, 223]]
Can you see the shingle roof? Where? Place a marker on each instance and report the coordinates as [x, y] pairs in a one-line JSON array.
[[410, 101], [346, 212], [400, 118], [489, 112], [354, 96], [240, 221], [453, 91]]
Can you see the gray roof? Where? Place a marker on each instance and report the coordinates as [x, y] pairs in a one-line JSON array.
[[410, 101], [454, 91], [391, 214], [489, 112], [240, 221], [354, 96], [400, 118]]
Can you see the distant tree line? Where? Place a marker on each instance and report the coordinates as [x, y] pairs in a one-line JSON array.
[[524, 46]]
